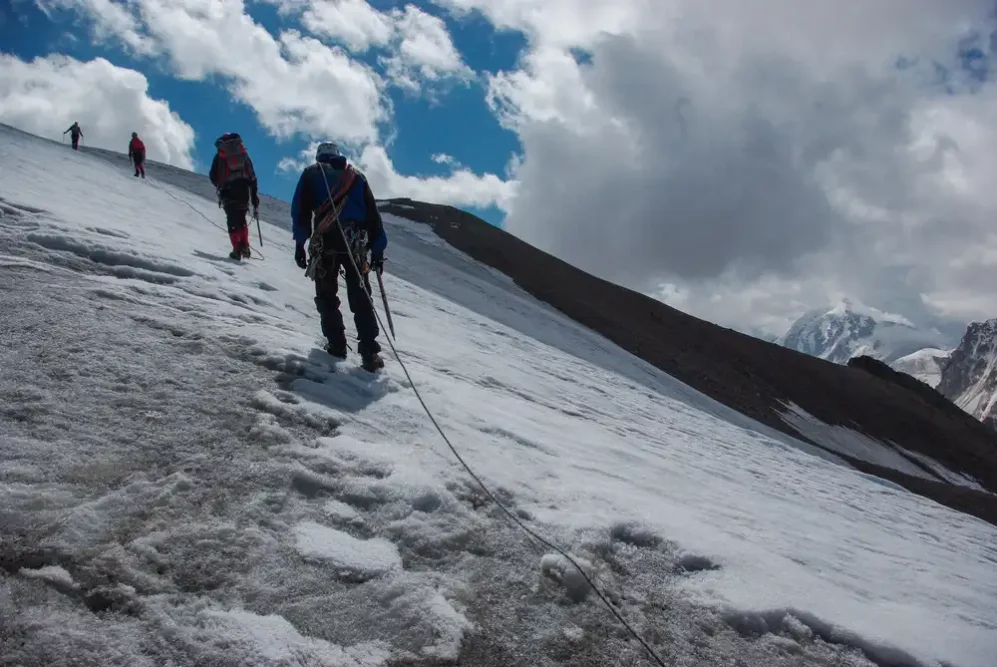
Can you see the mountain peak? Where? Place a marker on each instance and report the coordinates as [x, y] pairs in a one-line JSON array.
[[847, 305], [969, 379], [850, 328]]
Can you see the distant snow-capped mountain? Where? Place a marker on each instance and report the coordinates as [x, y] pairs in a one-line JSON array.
[[850, 330], [969, 379], [926, 365]]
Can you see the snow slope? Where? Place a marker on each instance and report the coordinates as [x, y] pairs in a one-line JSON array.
[[188, 479], [925, 365], [849, 330]]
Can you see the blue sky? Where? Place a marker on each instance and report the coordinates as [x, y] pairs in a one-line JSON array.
[[456, 122]]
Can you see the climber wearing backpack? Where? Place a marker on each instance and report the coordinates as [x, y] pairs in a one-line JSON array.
[[75, 133], [343, 205], [234, 178], [136, 153]]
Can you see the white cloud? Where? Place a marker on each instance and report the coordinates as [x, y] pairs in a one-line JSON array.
[[461, 187], [352, 22], [294, 165], [293, 83], [110, 20], [443, 158], [424, 52], [420, 53], [46, 95], [758, 157], [561, 23]]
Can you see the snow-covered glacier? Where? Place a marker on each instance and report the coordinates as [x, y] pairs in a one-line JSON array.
[[187, 479]]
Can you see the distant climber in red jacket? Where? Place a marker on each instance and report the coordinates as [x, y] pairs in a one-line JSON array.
[[136, 153], [234, 177]]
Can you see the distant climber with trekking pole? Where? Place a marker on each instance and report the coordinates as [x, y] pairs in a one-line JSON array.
[[234, 178], [347, 223], [75, 132], [136, 153]]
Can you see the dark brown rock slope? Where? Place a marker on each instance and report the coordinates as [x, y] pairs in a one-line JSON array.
[[755, 377]]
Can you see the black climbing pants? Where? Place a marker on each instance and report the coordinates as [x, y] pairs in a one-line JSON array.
[[235, 216], [138, 159], [357, 294]]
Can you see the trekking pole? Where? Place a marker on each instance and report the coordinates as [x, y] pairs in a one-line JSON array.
[[256, 214], [384, 300]]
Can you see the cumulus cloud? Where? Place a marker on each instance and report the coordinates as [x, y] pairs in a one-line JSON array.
[[295, 164], [562, 23], [424, 52], [419, 51], [294, 83], [46, 95], [354, 23], [461, 187], [111, 20], [769, 153]]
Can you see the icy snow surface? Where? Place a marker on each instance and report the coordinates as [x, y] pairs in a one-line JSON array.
[[372, 557], [188, 479]]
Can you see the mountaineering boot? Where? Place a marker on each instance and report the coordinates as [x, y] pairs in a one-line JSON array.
[[337, 348], [237, 243], [243, 241], [372, 362]]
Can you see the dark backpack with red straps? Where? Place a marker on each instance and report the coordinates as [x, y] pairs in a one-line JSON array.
[[234, 162]]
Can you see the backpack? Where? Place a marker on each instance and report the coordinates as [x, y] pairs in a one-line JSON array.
[[234, 161]]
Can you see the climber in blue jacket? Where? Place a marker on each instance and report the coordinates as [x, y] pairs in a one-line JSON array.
[[336, 197]]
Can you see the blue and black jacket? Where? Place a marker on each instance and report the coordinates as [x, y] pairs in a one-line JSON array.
[[360, 207]]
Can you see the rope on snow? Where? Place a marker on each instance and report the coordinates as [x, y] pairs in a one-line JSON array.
[[508, 513], [257, 254]]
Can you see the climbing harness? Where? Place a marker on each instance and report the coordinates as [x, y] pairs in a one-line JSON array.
[[326, 214]]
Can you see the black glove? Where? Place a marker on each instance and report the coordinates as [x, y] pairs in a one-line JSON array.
[[256, 202], [300, 258], [377, 261]]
